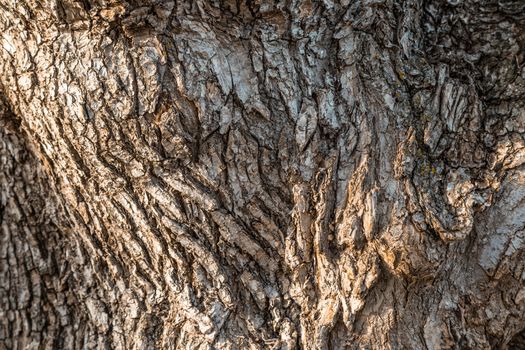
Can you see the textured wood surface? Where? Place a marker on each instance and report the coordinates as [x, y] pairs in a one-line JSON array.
[[262, 174]]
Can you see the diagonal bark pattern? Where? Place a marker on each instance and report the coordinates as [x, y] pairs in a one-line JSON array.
[[268, 174]]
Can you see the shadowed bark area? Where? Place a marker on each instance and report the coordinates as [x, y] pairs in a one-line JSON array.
[[263, 174], [44, 274]]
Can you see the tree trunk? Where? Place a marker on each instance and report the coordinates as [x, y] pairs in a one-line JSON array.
[[262, 174]]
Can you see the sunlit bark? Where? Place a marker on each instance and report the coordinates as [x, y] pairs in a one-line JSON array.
[[262, 174]]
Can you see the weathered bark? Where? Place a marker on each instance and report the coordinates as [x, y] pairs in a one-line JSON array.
[[262, 174], [40, 267]]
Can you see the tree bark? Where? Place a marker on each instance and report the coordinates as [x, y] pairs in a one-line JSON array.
[[262, 174]]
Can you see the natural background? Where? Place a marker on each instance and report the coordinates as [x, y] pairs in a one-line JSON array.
[[259, 174]]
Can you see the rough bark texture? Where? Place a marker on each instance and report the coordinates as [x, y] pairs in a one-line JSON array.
[[262, 174], [40, 300]]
